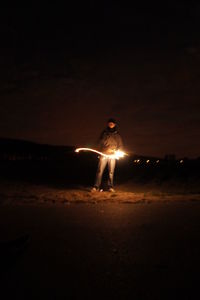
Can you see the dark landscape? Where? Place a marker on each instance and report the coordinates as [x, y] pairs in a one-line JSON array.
[[60, 241], [64, 71]]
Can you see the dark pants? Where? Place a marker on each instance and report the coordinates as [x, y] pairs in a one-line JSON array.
[[103, 161]]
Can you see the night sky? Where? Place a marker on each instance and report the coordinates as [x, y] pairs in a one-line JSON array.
[[66, 70]]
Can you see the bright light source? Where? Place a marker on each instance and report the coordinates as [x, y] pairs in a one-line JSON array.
[[116, 155], [181, 161], [158, 161], [137, 161], [147, 161]]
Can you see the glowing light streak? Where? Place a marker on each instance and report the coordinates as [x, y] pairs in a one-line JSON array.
[[117, 154]]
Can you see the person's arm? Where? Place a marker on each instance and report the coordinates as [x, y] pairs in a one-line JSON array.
[[120, 143], [100, 141], [102, 146]]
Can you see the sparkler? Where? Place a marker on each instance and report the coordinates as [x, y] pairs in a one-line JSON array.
[[117, 154]]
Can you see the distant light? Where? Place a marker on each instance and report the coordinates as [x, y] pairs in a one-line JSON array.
[[147, 161], [136, 161], [158, 161], [181, 161]]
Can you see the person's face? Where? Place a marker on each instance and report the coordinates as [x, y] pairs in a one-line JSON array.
[[111, 124]]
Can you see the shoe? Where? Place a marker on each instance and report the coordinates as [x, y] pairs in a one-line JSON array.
[[111, 190], [94, 189]]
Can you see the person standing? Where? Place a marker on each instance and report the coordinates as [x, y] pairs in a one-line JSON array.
[[109, 141]]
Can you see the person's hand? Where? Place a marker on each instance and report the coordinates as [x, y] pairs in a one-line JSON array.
[[110, 151]]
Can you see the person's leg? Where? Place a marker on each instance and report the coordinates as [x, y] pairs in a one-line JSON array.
[[111, 170], [101, 167]]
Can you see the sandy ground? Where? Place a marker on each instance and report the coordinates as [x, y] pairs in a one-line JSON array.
[[19, 193], [107, 246]]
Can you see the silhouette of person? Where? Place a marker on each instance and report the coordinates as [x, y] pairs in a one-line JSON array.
[[109, 141]]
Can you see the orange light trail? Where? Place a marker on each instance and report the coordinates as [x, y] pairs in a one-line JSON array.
[[117, 154]]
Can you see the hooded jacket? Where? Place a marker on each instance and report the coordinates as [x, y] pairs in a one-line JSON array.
[[110, 140]]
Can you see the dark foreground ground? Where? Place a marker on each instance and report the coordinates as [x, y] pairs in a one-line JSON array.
[[102, 251]]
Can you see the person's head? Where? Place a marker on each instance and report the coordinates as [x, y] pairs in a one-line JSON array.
[[111, 123]]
